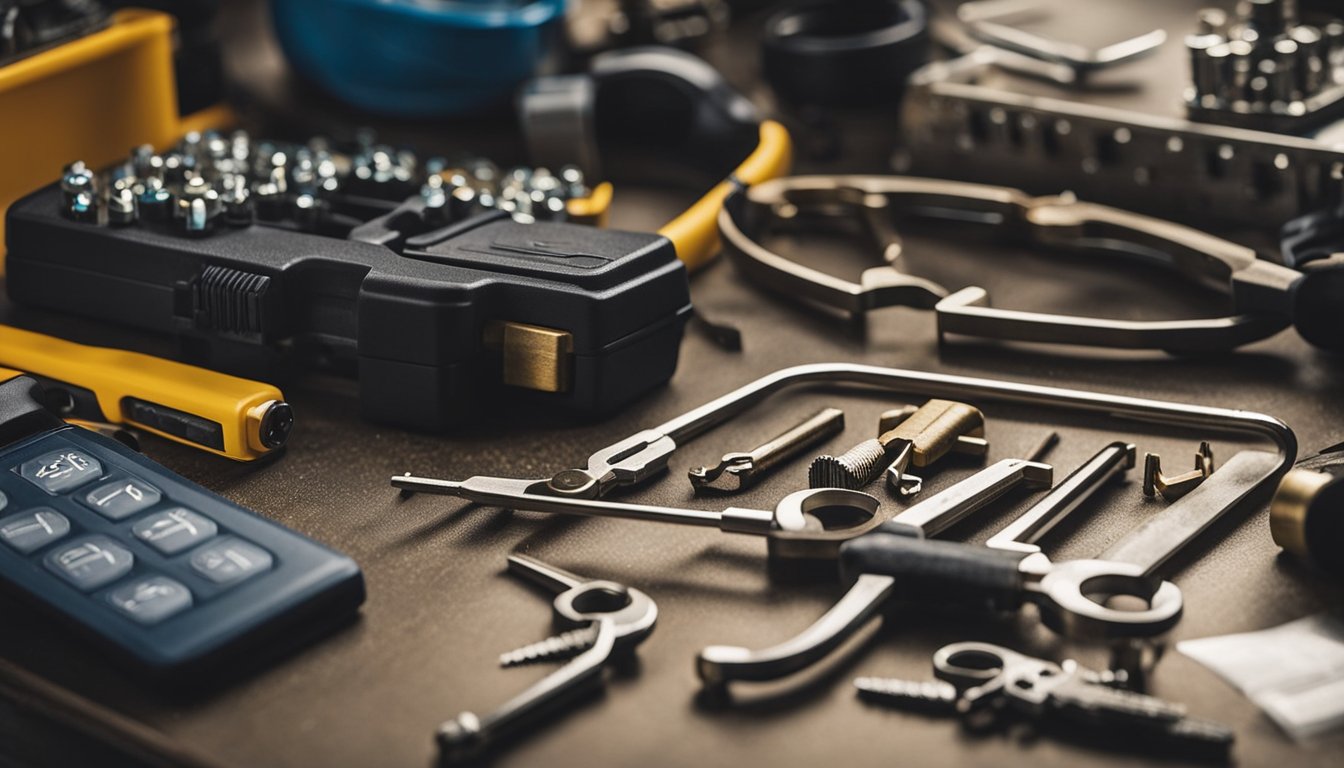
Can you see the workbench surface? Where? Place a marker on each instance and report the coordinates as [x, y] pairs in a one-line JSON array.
[[441, 609]]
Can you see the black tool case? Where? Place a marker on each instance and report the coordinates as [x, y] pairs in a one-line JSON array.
[[412, 315]]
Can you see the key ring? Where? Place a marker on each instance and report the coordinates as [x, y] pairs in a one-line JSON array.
[[971, 663], [1264, 297]]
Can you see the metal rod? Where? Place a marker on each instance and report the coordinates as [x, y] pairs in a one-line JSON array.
[[1022, 534]]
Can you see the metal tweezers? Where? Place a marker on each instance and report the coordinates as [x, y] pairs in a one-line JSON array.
[[1260, 292]]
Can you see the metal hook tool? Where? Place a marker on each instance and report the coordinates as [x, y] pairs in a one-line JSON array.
[[619, 618]]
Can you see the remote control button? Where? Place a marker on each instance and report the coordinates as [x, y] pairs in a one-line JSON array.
[[120, 499], [151, 599], [30, 531], [91, 563], [174, 530], [230, 560], [4, 501], [61, 471]]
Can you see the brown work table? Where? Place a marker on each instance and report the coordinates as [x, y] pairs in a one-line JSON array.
[[441, 609]]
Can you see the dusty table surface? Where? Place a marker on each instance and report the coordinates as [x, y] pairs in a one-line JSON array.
[[440, 607]]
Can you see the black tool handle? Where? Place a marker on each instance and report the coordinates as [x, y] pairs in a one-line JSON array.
[[937, 572], [1316, 303]]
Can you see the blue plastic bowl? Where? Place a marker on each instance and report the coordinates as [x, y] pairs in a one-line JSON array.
[[418, 58]]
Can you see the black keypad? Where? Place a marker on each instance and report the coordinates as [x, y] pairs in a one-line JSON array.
[[32, 530], [60, 471], [174, 530], [122, 498], [115, 539]]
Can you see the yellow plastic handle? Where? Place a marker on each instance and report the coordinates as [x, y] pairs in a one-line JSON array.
[[695, 232], [215, 412]]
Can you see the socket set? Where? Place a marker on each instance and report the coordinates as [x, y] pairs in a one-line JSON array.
[[1262, 69], [433, 283], [1135, 155], [210, 180]]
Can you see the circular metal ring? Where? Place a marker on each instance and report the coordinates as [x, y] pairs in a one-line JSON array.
[[1069, 608]]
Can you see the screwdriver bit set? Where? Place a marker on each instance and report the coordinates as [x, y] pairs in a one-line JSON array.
[[269, 257], [210, 179], [1261, 68]]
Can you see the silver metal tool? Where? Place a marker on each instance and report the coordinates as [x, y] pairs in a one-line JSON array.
[[1028, 528], [891, 564], [989, 21], [736, 471], [1173, 487], [797, 528], [972, 677], [619, 617], [1262, 295], [1128, 152], [805, 524], [1262, 68], [637, 458], [721, 664], [906, 436]]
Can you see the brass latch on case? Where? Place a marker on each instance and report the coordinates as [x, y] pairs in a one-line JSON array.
[[533, 357]]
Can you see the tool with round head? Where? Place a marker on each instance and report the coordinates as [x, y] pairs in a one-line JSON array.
[[619, 619]]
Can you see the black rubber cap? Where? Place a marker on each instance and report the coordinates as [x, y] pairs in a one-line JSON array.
[[1324, 527], [1318, 304], [276, 425], [22, 410], [845, 54]]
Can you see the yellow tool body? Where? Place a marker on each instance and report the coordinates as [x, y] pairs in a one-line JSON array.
[[695, 232], [226, 415], [91, 98]]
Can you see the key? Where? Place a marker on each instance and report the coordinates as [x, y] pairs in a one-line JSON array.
[[737, 471], [983, 683], [621, 617], [1069, 696], [933, 696]]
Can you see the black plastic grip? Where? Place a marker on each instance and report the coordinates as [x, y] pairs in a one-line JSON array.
[[937, 572], [22, 413], [1316, 304]]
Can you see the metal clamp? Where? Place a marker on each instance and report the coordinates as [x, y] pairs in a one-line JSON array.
[[1261, 293]]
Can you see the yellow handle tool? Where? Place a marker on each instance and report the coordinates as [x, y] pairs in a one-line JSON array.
[[695, 232], [225, 415]]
